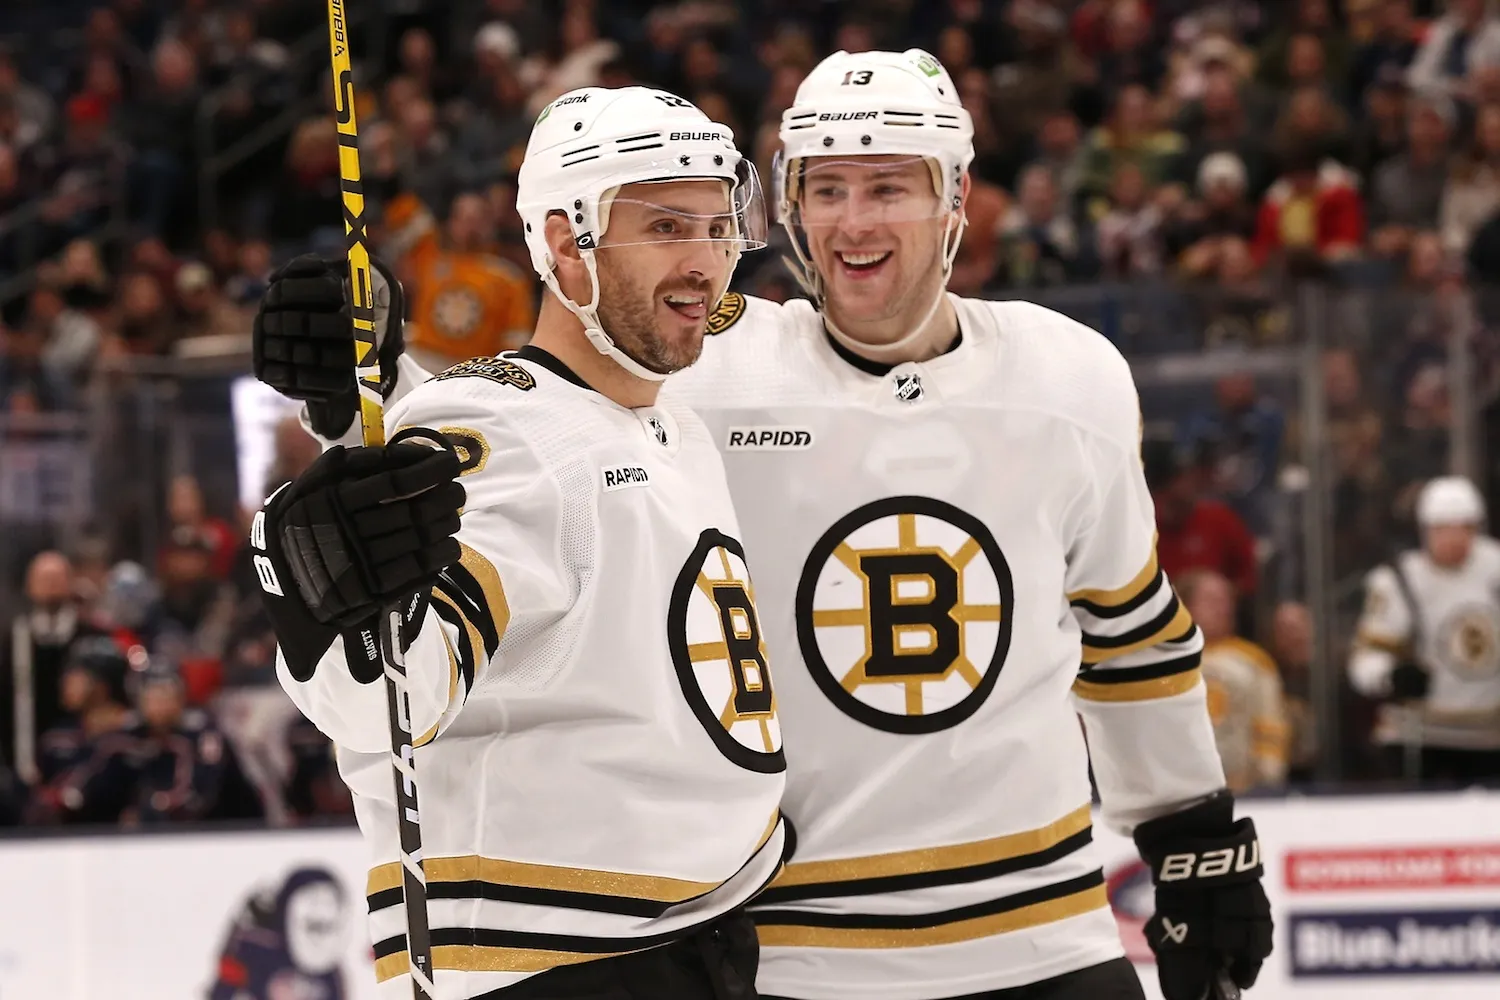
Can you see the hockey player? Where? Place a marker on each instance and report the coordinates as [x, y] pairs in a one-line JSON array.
[[1429, 642], [599, 758], [944, 506]]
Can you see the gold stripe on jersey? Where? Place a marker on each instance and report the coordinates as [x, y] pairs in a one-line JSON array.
[[935, 859], [1120, 595], [552, 878], [488, 577], [810, 929], [431, 734], [1384, 644], [479, 958], [1146, 690], [1173, 625]]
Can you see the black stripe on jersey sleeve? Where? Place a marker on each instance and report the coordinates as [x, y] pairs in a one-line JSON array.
[[922, 921], [462, 648], [1140, 600], [465, 592], [1139, 633], [932, 879], [1150, 672]]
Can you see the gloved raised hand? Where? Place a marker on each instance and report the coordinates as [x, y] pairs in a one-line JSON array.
[[363, 529], [302, 342], [1212, 917]]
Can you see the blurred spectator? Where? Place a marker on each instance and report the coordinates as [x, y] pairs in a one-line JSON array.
[[979, 254], [1408, 189], [144, 324], [161, 129], [31, 662], [1292, 646], [71, 337], [1310, 120], [184, 769], [1244, 688], [1465, 37], [465, 302], [1041, 79], [81, 779], [1040, 245], [10, 797], [1473, 191], [197, 610], [307, 193], [1218, 124], [1242, 441], [1416, 449], [1390, 49], [1354, 433], [1195, 237], [1303, 19], [1130, 136], [190, 518], [1195, 532], [33, 109], [1381, 132], [1129, 235], [1059, 149], [1129, 55], [580, 54], [1311, 214], [203, 311]]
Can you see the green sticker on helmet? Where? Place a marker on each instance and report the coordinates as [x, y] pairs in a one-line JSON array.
[[543, 116], [929, 65]]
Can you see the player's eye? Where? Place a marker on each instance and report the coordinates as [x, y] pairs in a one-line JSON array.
[[889, 190], [718, 230], [665, 227]]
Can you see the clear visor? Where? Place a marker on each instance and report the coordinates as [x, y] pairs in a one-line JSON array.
[[731, 217], [861, 191]]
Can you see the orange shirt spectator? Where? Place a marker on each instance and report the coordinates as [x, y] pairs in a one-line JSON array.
[[463, 301]]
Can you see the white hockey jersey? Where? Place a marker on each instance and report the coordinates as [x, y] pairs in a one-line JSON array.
[[1455, 636], [600, 764], [939, 550]]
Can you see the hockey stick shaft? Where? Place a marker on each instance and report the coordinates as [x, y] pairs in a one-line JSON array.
[[372, 425]]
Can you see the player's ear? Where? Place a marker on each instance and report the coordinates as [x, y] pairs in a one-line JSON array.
[[572, 275], [964, 187]]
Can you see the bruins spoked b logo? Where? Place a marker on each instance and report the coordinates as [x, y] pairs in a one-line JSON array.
[[718, 649], [904, 614]]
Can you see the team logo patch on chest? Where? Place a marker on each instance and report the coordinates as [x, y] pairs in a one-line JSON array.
[[495, 369], [1468, 643], [714, 634], [904, 614]]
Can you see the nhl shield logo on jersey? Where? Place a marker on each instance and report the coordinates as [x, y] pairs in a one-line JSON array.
[[904, 614], [908, 387], [719, 651]]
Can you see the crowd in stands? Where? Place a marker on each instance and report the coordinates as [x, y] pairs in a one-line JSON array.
[[158, 158]]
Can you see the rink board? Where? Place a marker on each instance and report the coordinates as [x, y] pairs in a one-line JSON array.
[[1393, 896]]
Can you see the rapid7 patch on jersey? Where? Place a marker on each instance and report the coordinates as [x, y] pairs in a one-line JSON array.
[[719, 652], [904, 614]]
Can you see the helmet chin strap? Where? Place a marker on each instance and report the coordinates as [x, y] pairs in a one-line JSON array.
[[893, 352], [589, 316]]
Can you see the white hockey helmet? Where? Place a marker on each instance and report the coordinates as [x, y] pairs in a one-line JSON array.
[[872, 104], [1449, 500], [588, 144]]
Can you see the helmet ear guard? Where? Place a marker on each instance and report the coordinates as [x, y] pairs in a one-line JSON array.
[[589, 144]]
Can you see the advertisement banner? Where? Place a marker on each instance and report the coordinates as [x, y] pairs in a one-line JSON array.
[[1392, 896], [276, 915]]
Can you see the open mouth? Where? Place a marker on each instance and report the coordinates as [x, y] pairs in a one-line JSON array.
[[687, 305], [862, 263]]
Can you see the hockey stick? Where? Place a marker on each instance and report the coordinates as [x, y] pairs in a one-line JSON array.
[[372, 423]]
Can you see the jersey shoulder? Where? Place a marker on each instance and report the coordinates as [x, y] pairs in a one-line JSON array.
[[1049, 362], [747, 348], [510, 420]]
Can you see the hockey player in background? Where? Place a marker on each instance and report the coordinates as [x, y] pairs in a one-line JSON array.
[[598, 753], [944, 507], [1428, 643]]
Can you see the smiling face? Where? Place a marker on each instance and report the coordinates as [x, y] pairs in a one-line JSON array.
[[665, 260], [874, 229]]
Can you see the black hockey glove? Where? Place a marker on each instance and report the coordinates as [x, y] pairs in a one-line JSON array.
[[1409, 682], [302, 343], [1212, 916], [361, 530]]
